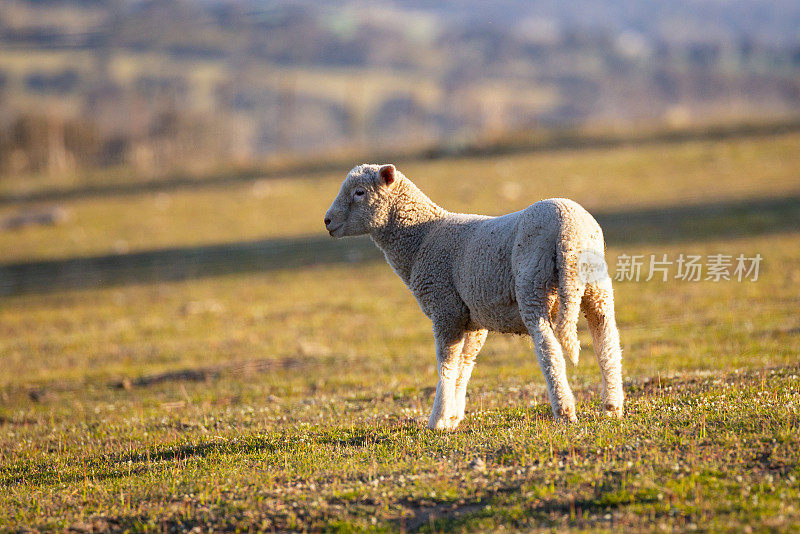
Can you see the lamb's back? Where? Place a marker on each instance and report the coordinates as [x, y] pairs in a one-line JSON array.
[[500, 251], [469, 263], [483, 274]]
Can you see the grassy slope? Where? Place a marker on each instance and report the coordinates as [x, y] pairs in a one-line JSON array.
[[287, 399]]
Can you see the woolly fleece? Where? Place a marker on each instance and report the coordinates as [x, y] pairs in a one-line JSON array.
[[517, 273]]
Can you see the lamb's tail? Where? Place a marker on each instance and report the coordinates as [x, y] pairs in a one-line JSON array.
[[570, 292]]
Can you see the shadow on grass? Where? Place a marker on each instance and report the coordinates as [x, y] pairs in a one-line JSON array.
[[246, 445], [445, 516], [206, 374], [107, 467], [136, 463], [700, 222], [181, 263], [52, 476], [713, 220]]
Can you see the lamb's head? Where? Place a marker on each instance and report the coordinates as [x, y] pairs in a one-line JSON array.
[[364, 201]]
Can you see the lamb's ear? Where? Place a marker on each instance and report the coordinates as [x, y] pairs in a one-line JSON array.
[[386, 175]]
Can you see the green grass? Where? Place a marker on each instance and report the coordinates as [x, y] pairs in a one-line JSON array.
[[289, 399]]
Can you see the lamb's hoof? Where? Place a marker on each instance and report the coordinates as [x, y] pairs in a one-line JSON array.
[[567, 414], [613, 411], [445, 424]]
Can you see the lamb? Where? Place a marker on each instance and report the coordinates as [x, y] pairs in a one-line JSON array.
[[522, 273]]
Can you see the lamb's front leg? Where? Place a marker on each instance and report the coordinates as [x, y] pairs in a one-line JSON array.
[[449, 344], [473, 343]]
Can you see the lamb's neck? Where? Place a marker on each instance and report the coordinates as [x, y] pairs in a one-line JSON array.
[[410, 220]]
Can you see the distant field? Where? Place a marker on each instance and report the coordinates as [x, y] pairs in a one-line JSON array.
[[283, 394]]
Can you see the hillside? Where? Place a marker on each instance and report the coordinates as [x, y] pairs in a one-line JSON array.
[[165, 86]]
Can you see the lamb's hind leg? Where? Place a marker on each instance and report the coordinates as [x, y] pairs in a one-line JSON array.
[[473, 342], [444, 415], [598, 305], [533, 304]]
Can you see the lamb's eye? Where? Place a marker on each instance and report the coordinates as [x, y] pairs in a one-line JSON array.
[[360, 192]]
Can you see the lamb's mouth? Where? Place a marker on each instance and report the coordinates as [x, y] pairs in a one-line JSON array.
[[332, 230]]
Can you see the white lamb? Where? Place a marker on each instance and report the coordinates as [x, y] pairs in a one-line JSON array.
[[518, 273]]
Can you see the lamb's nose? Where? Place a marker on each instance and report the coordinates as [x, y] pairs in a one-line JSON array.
[[327, 221]]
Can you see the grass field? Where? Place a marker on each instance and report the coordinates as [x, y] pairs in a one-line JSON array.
[[208, 358]]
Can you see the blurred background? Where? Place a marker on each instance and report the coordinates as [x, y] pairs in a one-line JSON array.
[[164, 86]]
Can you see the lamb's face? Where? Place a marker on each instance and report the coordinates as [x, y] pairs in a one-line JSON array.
[[362, 203]]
